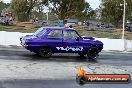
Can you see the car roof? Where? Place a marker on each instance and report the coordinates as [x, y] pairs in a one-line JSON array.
[[59, 28]]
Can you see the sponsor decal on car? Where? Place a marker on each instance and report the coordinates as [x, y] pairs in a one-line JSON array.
[[70, 48]]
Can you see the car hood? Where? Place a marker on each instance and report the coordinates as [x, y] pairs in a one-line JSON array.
[[28, 37], [88, 38]]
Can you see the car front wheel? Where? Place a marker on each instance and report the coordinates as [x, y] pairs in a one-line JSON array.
[[92, 53], [45, 52]]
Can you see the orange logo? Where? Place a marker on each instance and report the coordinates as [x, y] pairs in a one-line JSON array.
[[82, 77]]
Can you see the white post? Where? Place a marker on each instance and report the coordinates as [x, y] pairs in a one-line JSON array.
[[124, 15], [47, 16], [123, 31]]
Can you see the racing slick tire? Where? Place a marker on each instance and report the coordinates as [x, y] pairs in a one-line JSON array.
[[45, 52], [92, 53]]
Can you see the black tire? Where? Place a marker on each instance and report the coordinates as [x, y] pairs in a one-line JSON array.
[[92, 53], [81, 54], [45, 52]]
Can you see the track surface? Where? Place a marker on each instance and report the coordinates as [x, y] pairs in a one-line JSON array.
[[19, 55]]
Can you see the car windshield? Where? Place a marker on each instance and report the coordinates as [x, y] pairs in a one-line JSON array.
[[40, 32]]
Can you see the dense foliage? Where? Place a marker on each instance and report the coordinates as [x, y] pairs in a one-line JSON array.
[[112, 11]]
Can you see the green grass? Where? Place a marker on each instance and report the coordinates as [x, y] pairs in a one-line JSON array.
[[114, 34], [100, 34], [17, 29]]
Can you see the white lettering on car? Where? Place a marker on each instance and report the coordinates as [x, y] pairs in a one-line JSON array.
[[70, 48]]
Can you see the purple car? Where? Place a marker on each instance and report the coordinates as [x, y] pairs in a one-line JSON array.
[[49, 40]]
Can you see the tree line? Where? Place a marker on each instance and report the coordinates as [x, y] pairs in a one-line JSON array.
[[62, 8], [110, 11]]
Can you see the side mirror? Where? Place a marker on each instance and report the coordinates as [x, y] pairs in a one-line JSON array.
[[77, 39]]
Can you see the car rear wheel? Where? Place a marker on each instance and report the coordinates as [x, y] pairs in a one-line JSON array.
[[45, 52], [92, 53]]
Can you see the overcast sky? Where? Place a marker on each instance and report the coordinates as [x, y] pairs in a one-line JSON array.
[[93, 3]]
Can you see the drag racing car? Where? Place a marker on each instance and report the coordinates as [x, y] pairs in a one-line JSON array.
[[49, 40]]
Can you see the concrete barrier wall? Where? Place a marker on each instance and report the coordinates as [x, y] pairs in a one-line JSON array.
[[13, 38], [128, 45], [112, 44]]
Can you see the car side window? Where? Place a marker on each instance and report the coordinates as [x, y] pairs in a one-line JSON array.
[[55, 34], [70, 34]]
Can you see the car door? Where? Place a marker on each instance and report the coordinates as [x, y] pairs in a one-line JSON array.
[[71, 41], [54, 39]]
